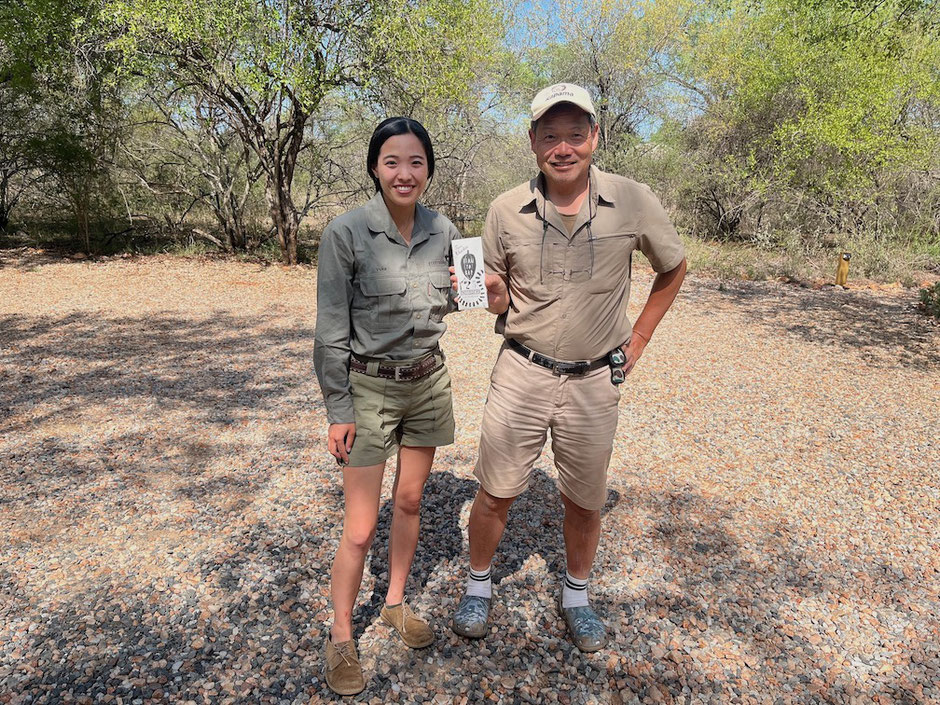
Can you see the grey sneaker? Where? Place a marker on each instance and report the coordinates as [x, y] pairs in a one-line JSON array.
[[471, 616], [587, 630]]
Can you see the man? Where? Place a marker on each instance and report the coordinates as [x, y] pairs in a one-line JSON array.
[[560, 248]]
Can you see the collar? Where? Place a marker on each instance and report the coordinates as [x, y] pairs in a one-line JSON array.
[[379, 220], [600, 190]]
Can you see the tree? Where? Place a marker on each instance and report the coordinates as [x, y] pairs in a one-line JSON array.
[[267, 65], [20, 150], [809, 108], [57, 110], [183, 152]]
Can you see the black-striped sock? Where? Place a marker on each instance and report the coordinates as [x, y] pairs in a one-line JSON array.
[[479, 583], [574, 593]]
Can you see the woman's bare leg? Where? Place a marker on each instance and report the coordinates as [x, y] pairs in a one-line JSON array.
[[414, 467], [362, 487]]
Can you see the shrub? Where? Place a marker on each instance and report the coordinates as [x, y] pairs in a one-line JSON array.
[[930, 300]]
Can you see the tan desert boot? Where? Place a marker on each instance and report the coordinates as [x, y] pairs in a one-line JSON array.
[[414, 631], [343, 672]]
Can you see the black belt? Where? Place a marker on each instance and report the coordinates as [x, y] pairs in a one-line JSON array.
[[556, 366], [399, 372]]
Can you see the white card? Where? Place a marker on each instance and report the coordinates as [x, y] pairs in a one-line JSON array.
[[468, 266]]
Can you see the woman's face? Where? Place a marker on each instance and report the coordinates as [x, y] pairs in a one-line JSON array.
[[402, 170]]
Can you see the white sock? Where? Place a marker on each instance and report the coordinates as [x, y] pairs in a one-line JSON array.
[[574, 592], [479, 583]]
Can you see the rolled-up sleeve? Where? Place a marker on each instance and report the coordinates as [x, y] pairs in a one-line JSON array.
[[331, 342]]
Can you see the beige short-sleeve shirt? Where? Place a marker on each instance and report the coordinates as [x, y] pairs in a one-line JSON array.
[[569, 293]]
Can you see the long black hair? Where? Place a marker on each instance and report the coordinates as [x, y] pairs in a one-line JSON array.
[[390, 127]]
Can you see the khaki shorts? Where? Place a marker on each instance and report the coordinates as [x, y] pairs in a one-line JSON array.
[[525, 401], [391, 413]]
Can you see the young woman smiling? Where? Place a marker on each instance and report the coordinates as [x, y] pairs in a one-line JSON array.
[[383, 289]]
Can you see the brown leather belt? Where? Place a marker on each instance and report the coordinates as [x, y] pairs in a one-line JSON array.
[[387, 369], [557, 366]]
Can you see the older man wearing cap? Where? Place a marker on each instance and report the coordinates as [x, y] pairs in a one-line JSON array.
[[562, 243]]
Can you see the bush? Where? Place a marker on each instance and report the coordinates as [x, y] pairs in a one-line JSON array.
[[930, 300]]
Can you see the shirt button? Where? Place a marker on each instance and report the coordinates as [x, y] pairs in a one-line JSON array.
[[417, 316], [414, 285]]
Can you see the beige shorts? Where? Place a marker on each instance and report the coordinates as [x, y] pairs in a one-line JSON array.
[[392, 413], [525, 401]]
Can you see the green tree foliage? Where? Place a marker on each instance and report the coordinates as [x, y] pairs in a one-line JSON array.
[[267, 65], [58, 110], [818, 115]]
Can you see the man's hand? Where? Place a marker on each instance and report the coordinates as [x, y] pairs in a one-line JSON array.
[[497, 293], [632, 350], [341, 437]]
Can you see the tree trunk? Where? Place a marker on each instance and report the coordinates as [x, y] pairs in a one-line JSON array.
[[5, 205], [231, 220], [285, 218], [279, 179], [81, 206], [239, 236]]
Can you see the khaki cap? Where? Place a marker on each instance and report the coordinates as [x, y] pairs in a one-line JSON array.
[[561, 93]]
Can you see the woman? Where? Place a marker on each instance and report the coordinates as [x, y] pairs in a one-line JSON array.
[[382, 291]]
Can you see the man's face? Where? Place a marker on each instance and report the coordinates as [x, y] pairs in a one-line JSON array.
[[563, 142]]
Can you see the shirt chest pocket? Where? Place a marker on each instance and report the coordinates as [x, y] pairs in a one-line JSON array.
[[385, 300], [525, 263], [613, 255], [438, 293]]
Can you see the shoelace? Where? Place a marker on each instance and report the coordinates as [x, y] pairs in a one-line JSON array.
[[342, 651], [405, 614]]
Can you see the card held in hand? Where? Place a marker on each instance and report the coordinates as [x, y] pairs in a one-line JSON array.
[[468, 266]]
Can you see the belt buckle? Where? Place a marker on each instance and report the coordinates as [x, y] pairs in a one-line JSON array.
[[570, 368], [398, 370]]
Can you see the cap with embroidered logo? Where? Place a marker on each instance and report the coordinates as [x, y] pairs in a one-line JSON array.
[[561, 93]]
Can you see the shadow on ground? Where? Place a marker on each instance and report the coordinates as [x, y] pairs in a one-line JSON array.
[[238, 612], [248, 629], [218, 366], [887, 330]]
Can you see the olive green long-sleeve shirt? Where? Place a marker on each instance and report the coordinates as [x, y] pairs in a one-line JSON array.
[[378, 296]]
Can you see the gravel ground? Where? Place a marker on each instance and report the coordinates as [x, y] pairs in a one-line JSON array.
[[169, 512]]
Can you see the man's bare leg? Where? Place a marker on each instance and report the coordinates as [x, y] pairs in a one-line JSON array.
[[487, 523], [582, 529]]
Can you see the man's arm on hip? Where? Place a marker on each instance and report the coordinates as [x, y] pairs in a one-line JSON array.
[[662, 294]]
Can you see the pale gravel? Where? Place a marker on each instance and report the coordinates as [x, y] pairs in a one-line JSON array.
[[169, 511]]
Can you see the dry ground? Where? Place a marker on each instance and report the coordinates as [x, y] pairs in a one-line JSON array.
[[169, 512]]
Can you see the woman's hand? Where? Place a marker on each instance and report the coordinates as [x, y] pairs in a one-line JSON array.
[[341, 437]]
